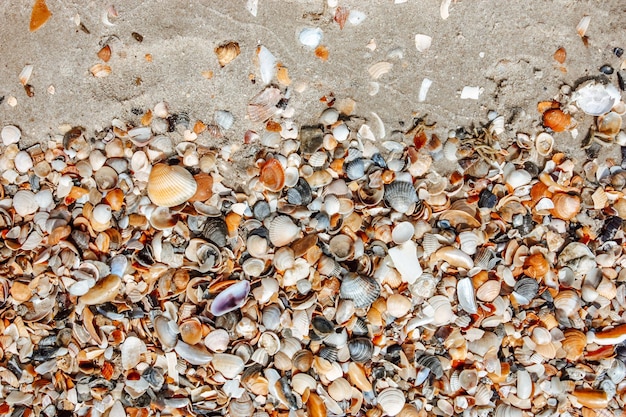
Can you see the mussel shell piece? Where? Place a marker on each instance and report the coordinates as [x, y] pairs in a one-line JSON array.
[[230, 299], [361, 349], [360, 289], [401, 196], [169, 186]]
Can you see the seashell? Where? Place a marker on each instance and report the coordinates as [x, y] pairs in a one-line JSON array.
[[39, 15], [466, 296], [329, 353], [23, 162], [100, 70], [228, 365], [398, 305], [253, 267], [242, 406], [217, 340], [263, 106], [216, 230], [594, 399], [566, 206], [102, 214], [25, 203], [169, 186], [596, 99], [401, 196], [272, 175], [227, 52], [191, 331], [617, 371], [354, 169], [302, 382], [341, 247], [402, 232], [230, 299], [613, 336], [105, 290], [422, 42], [557, 120], [300, 194], [106, 178], [518, 178], [525, 290], [341, 132], [609, 124], [362, 290], [271, 317], [340, 389], [302, 360], [284, 259], [537, 266], [267, 64], [524, 385], [10, 135], [443, 313], [328, 117], [568, 301], [379, 69], [224, 119], [544, 143], [283, 231], [131, 351], [468, 379], [454, 257], [391, 400], [504, 410], [469, 242], [361, 349], [166, 332], [310, 37]]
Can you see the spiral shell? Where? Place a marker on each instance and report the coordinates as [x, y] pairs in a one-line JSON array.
[[169, 186]]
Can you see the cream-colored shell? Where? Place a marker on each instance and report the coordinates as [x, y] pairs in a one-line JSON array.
[[169, 186]]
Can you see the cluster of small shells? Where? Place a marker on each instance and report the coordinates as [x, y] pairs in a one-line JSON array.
[[346, 276]]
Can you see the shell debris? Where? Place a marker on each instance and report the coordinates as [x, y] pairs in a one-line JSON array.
[[343, 276]]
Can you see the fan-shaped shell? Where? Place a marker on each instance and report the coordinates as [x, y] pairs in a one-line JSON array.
[[379, 69], [216, 230], [566, 206], [568, 301], [227, 52], [360, 289], [526, 290], [401, 196], [170, 185], [283, 231], [263, 106], [557, 120]]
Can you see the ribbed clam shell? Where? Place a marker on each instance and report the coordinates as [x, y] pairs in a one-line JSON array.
[[359, 327], [489, 290], [283, 231], [401, 196], [354, 169], [322, 326], [216, 231], [242, 406], [170, 186], [263, 105], [568, 301], [328, 267], [360, 289], [526, 289], [469, 242], [227, 52], [284, 259], [391, 400], [271, 317], [361, 349], [318, 159], [329, 353], [228, 365], [230, 299]]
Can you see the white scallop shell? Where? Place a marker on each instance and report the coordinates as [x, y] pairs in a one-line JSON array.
[[283, 231], [24, 203], [23, 162], [284, 259], [310, 37], [391, 400], [329, 117], [230, 366], [518, 178], [341, 132], [257, 246]]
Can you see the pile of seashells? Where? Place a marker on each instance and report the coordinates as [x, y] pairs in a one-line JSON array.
[[346, 276]]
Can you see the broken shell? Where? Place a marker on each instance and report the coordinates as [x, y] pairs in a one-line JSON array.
[[379, 69], [230, 299], [106, 178], [454, 257], [194, 354], [100, 70], [228, 365], [217, 340], [402, 232], [422, 42], [170, 185], [609, 124], [596, 99], [310, 37], [105, 290], [227, 52], [466, 296]]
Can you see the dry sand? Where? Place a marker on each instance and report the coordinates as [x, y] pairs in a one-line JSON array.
[[504, 47]]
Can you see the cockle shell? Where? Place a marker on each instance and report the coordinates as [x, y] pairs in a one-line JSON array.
[[170, 185], [566, 206], [283, 231], [360, 289], [391, 400], [230, 299], [263, 106], [25, 203], [272, 175], [401, 196]]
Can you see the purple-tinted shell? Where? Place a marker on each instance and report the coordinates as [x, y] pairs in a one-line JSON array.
[[230, 299]]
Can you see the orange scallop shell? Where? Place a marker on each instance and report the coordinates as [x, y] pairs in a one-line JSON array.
[[557, 120], [273, 175]]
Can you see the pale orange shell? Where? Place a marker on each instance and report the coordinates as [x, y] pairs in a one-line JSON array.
[[273, 175], [227, 52], [489, 290], [191, 331], [574, 344], [536, 266], [169, 186], [556, 120], [566, 206]]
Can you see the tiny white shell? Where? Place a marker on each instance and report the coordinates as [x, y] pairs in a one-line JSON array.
[[24, 203], [310, 37], [422, 42], [470, 92], [224, 119], [544, 143], [23, 162], [102, 213], [10, 135], [379, 69], [267, 64], [341, 132], [426, 83]]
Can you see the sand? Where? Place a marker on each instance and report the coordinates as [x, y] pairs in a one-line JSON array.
[[503, 47]]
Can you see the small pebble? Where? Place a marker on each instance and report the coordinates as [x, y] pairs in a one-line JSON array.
[[606, 69]]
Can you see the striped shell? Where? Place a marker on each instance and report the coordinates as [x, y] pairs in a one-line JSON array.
[[283, 231], [169, 186], [401, 196], [360, 289]]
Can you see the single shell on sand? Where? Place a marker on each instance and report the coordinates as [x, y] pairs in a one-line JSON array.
[[170, 185]]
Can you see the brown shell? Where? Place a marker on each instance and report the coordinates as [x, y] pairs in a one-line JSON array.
[[560, 55], [574, 344], [273, 175], [227, 52], [536, 266], [557, 120], [105, 53], [39, 15]]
